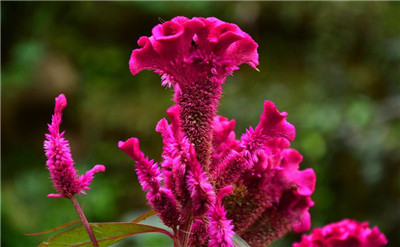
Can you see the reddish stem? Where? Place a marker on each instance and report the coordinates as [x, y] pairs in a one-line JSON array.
[[185, 231], [84, 221]]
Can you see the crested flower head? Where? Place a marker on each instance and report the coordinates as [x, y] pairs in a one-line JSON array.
[[186, 50], [195, 56], [346, 233], [59, 158], [201, 156]]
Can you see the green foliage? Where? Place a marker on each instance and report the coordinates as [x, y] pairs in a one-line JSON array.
[[105, 233]]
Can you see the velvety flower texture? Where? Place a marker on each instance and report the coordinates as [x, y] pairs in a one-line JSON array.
[[346, 233], [272, 196], [201, 156], [59, 159]]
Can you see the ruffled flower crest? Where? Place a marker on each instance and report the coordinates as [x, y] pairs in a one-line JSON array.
[[195, 56], [186, 50]]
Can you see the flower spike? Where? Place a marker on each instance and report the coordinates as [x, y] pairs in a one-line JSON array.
[[149, 175], [201, 191], [220, 228], [59, 158]]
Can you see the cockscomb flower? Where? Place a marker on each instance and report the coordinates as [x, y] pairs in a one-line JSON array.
[[187, 51], [201, 156], [195, 56], [346, 233], [59, 158]]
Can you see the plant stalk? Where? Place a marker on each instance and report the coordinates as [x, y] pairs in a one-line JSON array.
[[186, 230], [84, 221]]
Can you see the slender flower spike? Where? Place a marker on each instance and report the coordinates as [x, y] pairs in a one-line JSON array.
[[220, 228], [346, 233], [59, 159], [201, 191], [149, 175]]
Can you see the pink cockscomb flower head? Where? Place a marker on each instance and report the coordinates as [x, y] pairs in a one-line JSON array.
[[59, 158], [185, 51], [202, 157], [346, 233], [195, 56], [220, 227]]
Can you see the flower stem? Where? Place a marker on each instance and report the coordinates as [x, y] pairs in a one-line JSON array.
[[84, 221], [186, 230]]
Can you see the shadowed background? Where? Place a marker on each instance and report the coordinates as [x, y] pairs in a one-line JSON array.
[[334, 67]]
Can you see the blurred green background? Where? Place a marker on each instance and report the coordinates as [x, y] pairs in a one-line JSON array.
[[333, 66]]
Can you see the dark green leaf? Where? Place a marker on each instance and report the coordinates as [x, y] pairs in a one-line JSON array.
[[106, 234], [54, 229]]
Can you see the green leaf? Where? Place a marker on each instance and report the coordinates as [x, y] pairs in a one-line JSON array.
[[54, 229], [144, 216], [105, 233]]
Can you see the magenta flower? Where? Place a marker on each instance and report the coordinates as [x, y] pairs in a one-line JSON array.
[[201, 191], [59, 159], [272, 195], [195, 56], [161, 199], [199, 233], [346, 233], [201, 156], [220, 228], [187, 51]]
